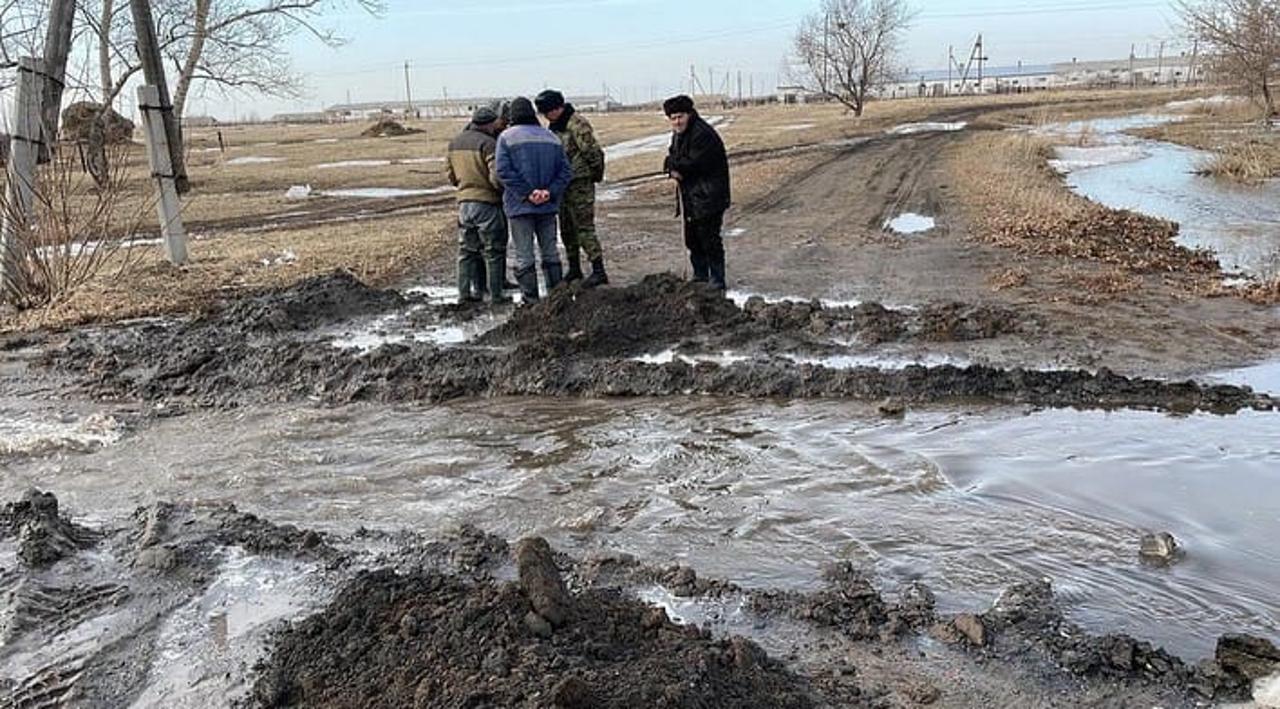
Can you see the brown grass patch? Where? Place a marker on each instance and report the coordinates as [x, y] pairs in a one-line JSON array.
[[1008, 279], [1263, 293], [1249, 162], [1015, 200]]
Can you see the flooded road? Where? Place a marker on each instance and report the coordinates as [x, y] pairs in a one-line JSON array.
[[1239, 224], [764, 494]]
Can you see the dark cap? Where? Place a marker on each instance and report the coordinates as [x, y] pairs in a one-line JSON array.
[[522, 112], [677, 104], [548, 101], [483, 116]]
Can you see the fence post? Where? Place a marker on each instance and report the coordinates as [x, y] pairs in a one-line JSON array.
[[24, 151], [153, 127]]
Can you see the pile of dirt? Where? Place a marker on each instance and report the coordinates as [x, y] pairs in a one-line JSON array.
[[78, 119], [610, 322], [44, 536], [431, 640], [305, 305], [387, 128]]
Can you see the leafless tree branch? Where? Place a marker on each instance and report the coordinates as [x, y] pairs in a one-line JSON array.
[[848, 49]]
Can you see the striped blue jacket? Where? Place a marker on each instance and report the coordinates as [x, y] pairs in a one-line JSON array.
[[531, 158]]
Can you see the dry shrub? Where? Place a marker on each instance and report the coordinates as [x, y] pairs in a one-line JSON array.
[[1016, 201], [1250, 162], [77, 231]]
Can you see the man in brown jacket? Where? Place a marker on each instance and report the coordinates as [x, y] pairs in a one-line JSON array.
[[482, 227]]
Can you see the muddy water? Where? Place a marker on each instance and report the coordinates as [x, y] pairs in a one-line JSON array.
[[1240, 224], [761, 493]]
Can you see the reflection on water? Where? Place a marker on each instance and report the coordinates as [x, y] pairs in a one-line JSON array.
[[1240, 224], [764, 493]]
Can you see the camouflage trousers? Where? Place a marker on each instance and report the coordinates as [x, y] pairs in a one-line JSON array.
[[578, 221]]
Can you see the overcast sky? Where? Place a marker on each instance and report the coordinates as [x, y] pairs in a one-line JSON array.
[[644, 48]]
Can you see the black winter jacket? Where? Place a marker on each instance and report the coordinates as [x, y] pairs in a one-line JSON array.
[[698, 155]]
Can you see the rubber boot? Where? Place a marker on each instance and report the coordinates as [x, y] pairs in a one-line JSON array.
[[551, 271], [716, 268], [528, 280], [575, 268], [497, 270], [700, 270], [466, 280], [598, 277], [479, 276]]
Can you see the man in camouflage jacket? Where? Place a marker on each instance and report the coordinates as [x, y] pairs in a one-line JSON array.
[[578, 209]]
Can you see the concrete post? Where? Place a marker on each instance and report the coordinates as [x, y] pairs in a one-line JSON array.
[[170, 209], [24, 152]]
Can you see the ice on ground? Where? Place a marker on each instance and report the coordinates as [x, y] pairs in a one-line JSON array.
[[283, 258], [76, 250], [1264, 377], [385, 192], [740, 298], [352, 163], [612, 194], [736, 231], [1219, 100], [421, 161], [910, 223], [392, 329], [1266, 692], [325, 141], [650, 144], [876, 361], [799, 126], [253, 160], [23, 436], [668, 356], [927, 127], [1072, 158], [693, 611], [298, 192]]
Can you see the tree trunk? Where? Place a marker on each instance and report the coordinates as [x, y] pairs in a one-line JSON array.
[[1268, 99], [104, 52], [200, 34]]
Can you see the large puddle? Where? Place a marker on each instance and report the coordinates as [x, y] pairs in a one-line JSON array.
[[761, 493], [1240, 224]]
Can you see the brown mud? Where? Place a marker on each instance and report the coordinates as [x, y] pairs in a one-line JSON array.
[[468, 621], [582, 343]]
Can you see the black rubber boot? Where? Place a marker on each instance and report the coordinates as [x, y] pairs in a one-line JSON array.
[[552, 273], [598, 277], [496, 267], [467, 281], [717, 273], [575, 269], [528, 280]]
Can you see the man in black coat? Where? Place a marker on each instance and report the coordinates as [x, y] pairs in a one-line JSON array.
[[700, 167]]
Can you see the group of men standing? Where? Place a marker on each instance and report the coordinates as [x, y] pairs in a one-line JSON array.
[[515, 176]]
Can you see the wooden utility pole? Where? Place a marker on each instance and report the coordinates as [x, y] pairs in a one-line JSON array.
[[153, 72], [158, 151], [408, 90], [26, 140], [1133, 79], [57, 45]]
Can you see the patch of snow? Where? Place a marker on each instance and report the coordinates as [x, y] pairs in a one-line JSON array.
[[927, 127], [1072, 158], [736, 231], [799, 126], [612, 194], [421, 161], [253, 160], [1266, 692], [650, 144], [668, 356], [385, 192], [352, 163], [910, 223], [740, 299], [876, 361], [326, 141], [298, 192], [285, 257], [1219, 100]]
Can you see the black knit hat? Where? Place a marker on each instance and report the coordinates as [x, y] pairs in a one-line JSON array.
[[677, 104], [548, 101], [522, 113]]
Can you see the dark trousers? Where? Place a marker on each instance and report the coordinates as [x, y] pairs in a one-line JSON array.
[[706, 248]]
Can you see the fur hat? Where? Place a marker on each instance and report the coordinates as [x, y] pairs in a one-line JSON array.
[[677, 104], [483, 116]]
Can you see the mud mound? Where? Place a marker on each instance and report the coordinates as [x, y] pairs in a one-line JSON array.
[[77, 124], [429, 640], [306, 305], [44, 536], [618, 321], [387, 128]]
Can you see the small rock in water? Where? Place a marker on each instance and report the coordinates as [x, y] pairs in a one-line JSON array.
[[1159, 548], [892, 408], [541, 582], [971, 627]]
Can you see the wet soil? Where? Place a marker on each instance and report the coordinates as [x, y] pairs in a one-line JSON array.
[[576, 343], [421, 622]]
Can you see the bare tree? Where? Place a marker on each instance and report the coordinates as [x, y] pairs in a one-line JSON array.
[[849, 48], [1244, 37], [228, 45]]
